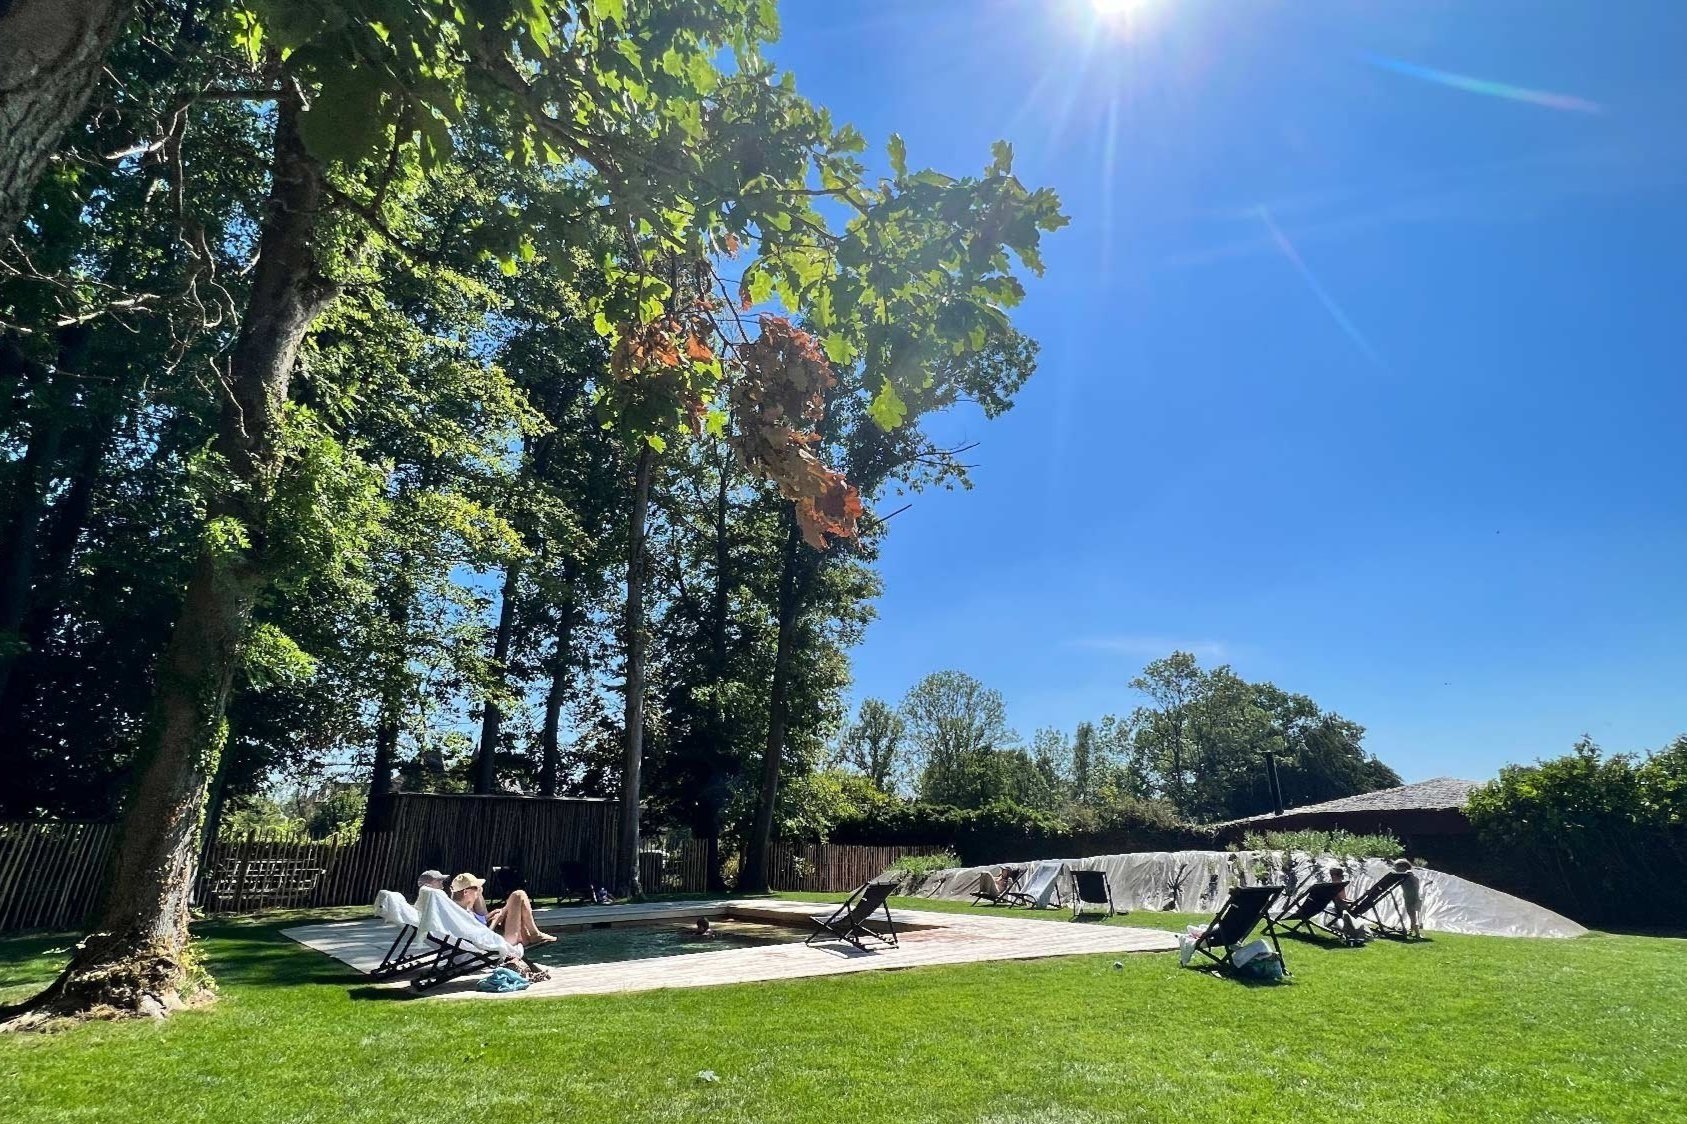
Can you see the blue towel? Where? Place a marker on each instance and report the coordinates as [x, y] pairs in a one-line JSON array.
[[503, 980]]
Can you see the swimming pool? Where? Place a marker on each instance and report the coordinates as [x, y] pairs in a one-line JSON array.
[[644, 942]]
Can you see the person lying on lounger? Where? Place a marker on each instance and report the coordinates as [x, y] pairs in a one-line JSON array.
[[513, 919]]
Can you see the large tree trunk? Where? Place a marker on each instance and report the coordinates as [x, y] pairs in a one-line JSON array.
[[136, 960], [51, 54], [632, 761], [486, 762], [754, 877], [550, 751]]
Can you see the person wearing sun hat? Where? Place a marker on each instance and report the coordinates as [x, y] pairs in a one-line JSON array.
[[514, 919]]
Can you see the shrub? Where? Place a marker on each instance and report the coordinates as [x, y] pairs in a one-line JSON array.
[[1336, 842], [915, 866], [1004, 832], [1603, 838]]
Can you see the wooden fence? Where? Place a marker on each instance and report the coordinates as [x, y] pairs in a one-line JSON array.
[[536, 837], [832, 867], [50, 873]]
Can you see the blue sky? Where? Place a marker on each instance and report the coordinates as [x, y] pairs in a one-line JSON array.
[[1361, 361]]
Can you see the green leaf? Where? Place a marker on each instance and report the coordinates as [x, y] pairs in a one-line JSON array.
[[887, 408], [761, 286], [345, 122], [658, 443], [715, 423], [838, 349], [898, 155]]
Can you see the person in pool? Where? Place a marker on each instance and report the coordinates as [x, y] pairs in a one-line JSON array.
[[513, 919], [703, 930]]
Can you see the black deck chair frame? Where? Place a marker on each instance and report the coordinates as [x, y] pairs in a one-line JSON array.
[[576, 878], [1306, 912], [1368, 906], [1235, 921], [849, 921], [453, 957], [1090, 887], [1007, 887], [399, 959]]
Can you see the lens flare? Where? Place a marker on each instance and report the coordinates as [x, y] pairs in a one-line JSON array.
[[1348, 328], [1564, 102]]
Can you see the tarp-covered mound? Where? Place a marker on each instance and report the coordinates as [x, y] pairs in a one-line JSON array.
[[1197, 882]]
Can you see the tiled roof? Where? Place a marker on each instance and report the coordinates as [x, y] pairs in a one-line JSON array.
[[1438, 793]]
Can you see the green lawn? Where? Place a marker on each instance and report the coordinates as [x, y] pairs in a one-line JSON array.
[[1458, 1028]]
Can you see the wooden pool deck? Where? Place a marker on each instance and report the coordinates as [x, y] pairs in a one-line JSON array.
[[927, 938]]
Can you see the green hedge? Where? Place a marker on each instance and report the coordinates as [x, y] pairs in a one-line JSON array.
[[1005, 832]]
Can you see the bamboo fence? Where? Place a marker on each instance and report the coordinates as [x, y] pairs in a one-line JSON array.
[[832, 867], [50, 873]]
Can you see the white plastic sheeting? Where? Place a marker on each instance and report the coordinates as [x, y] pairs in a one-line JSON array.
[[1197, 882]]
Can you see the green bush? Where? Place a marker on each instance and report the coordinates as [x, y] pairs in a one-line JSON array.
[[1005, 832], [1601, 838], [1336, 842], [915, 866]]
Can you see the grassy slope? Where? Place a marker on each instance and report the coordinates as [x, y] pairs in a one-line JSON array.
[[1460, 1028]]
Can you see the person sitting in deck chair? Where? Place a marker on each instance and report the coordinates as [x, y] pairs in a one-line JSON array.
[[1346, 926], [996, 889], [513, 920], [462, 943], [431, 878]]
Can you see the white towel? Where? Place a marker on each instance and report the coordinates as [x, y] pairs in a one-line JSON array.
[[442, 917], [391, 907]]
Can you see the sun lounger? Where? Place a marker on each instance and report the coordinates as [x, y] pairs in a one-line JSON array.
[[994, 892], [1368, 907], [460, 943], [1042, 888], [1235, 921], [391, 907], [1308, 911], [1090, 888], [849, 921]]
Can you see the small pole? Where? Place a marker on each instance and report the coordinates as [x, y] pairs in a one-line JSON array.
[[1276, 785]]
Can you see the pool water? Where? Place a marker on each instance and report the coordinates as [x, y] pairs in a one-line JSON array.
[[643, 942]]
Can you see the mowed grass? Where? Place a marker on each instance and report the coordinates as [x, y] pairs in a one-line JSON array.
[[1455, 1029]]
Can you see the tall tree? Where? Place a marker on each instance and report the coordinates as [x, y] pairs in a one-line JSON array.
[[873, 743], [51, 56]]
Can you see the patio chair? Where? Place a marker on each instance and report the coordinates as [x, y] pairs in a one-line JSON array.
[[994, 892], [1306, 912], [1384, 891], [849, 921], [577, 882], [1235, 921], [391, 907], [1089, 887], [460, 943], [1042, 888]]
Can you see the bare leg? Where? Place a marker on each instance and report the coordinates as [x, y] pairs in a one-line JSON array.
[[515, 921]]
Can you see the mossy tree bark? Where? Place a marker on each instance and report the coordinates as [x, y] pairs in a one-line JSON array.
[[51, 54], [136, 960]]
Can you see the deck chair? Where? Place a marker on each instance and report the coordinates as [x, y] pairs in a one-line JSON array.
[[1042, 888], [577, 884], [1235, 921], [1306, 912], [849, 921], [401, 956], [460, 943], [992, 891], [1089, 887], [1384, 891]]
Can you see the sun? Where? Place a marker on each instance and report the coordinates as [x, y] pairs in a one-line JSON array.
[[1111, 10], [1117, 15]]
